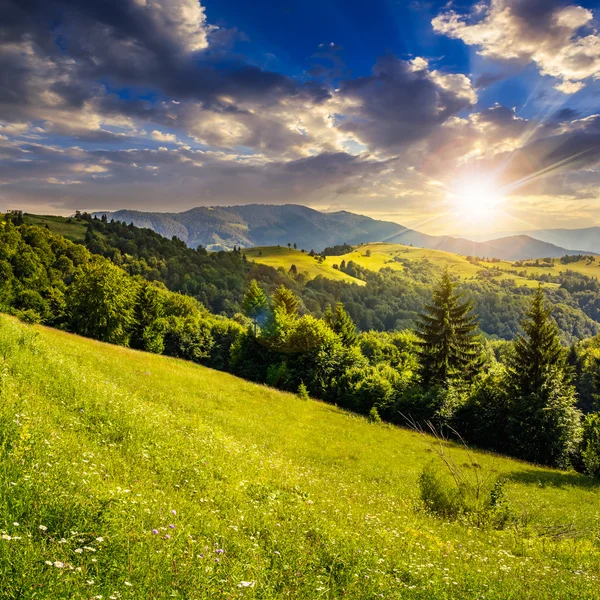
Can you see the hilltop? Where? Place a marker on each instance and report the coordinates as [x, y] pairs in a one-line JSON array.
[[155, 474], [223, 227]]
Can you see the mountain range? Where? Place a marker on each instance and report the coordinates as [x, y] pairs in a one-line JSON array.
[[222, 227], [586, 237]]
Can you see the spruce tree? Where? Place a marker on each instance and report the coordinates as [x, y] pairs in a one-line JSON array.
[[286, 300], [449, 346], [255, 303], [543, 421], [341, 322], [537, 350]]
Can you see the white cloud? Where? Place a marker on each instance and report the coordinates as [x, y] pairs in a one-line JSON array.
[[183, 21], [559, 40], [164, 137]]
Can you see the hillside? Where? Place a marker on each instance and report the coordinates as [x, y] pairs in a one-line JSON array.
[[383, 255], [154, 477], [392, 256], [284, 257], [250, 225]]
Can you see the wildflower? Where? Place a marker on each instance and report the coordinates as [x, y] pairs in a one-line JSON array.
[[43, 528], [100, 539], [78, 550], [155, 531], [249, 584], [174, 512], [48, 562], [167, 537], [6, 537], [128, 584], [90, 582], [15, 524], [171, 526], [219, 550], [217, 560], [59, 564]]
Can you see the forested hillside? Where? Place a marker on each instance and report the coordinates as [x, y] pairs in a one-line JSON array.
[[391, 298], [516, 397]]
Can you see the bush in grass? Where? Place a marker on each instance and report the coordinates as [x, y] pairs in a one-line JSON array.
[[303, 392], [464, 493]]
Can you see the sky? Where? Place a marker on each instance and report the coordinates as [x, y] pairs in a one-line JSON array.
[[455, 117]]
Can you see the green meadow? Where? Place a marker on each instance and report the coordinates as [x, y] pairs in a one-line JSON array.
[[72, 229], [131, 475], [284, 257], [376, 256]]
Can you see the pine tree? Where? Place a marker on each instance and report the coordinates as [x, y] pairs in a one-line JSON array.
[[539, 349], [341, 322], [449, 346], [255, 303], [543, 420], [286, 300]]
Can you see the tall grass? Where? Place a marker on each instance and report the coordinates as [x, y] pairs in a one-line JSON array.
[[129, 475]]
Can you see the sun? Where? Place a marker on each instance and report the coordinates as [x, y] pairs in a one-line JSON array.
[[476, 199]]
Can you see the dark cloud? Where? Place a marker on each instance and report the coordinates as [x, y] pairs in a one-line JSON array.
[[402, 102]]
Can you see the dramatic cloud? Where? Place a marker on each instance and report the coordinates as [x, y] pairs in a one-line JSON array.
[[106, 104], [401, 102], [559, 39]]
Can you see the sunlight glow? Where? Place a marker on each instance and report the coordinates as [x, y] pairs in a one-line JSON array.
[[476, 199]]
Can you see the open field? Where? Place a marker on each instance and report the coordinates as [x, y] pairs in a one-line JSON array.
[[281, 256], [75, 231], [130, 475], [383, 256]]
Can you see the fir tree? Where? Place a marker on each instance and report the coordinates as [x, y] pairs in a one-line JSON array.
[[255, 303], [286, 300], [341, 322], [539, 349], [543, 421], [449, 346]]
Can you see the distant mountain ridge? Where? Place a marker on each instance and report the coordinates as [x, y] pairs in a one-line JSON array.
[[222, 227], [586, 237]]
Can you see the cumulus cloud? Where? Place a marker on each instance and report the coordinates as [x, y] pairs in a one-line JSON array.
[[561, 40]]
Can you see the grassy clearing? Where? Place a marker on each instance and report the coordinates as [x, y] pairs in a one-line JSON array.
[[130, 475], [276, 256], [383, 255], [74, 231]]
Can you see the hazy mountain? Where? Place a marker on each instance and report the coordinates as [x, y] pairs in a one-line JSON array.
[[587, 238], [223, 227]]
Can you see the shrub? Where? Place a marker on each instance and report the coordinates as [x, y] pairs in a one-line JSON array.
[[590, 444], [374, 415], [456, 493], [303, 392]]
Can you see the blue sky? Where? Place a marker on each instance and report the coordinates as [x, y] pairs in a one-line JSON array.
[[450, 117]]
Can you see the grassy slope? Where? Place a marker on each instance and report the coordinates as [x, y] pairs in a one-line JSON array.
[[276, 256], [98, 444], [382, 255], [74, 231]]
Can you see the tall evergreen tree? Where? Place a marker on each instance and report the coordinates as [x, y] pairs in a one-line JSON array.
[[255, 303], [539, 349], [449, 346], [543, 421], [341, 322]]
